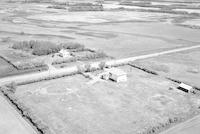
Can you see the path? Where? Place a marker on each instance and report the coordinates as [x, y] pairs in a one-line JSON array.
[[69, 70], [11, 121]]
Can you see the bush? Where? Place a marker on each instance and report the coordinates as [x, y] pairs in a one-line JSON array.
[[57, 7], [6, 39], [12, 87], [24, 45], [87, 67], [102, 65], [81, 69], [39, 47], [45, 48], [94, 55], [85, 7], [72, 45], [30, 65]]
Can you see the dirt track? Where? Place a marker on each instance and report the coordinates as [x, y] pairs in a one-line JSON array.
[[69, 70]]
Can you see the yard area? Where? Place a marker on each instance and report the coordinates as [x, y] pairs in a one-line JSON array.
[[70, 105], [183, 66]]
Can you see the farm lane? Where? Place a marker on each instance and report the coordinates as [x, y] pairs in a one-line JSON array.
[[56, 72]]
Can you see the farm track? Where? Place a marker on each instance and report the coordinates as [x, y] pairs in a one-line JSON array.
[[55, 73]]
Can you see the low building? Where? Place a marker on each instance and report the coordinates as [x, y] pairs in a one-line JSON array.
[[105, 76], [117, 75], [63, 53], [185, 87]]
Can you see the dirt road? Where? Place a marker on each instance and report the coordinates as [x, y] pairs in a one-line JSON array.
[[69, 70], [10, 120], [191, 126]]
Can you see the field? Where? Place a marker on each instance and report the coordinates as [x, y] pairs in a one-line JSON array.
[[11, 122], [183, 66], [145, 104], [5, 68], [138, 105], [140, 30]]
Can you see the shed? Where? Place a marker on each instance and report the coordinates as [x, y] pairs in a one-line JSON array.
[[105, 76], [64, 53], [185, 87], [117, 75]]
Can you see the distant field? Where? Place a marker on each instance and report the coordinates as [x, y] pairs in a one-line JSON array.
[[119, 33], [183, 66], [70, 105]]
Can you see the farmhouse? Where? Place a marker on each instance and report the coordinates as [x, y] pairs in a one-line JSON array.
[[63, 53], [185, 87], [117, 75]]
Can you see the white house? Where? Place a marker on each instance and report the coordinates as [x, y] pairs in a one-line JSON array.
[[63, 53], [185, 87], [117, 75]]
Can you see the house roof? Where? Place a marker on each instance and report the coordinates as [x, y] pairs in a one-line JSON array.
[[63, 51], [185, 86], [117, 71]]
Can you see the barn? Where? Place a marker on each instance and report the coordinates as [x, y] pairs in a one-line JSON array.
[[117, 75], [186, 88]]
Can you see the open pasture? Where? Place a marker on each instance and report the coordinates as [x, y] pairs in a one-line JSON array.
[[70, 105], [183, 66]]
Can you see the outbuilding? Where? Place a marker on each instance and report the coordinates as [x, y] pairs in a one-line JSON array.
[[64, 53], [185, 87], [117, 75]]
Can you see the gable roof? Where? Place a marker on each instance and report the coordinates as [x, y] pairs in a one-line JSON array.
[[117, 71], [185, 86]]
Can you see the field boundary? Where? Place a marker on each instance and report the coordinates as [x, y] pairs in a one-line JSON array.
[[23, 111], [9, 62]]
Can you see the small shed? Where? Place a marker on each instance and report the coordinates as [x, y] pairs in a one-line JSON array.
[[105, 76], [64, 53], [117, 75], [185, 87]]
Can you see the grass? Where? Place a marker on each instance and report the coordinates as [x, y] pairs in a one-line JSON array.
[[183, 66], [108, 107], [5, 68]]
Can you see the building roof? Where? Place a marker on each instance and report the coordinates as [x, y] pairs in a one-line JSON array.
[[185, 86], [63, 51], [117, 71]]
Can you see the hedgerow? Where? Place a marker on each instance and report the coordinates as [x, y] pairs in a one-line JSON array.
[[95, 55], [40, 48], [25, 111]]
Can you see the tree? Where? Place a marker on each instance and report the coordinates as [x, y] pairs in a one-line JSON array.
[[12, 87], [102, 65], [80, 68], [87, 67]]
